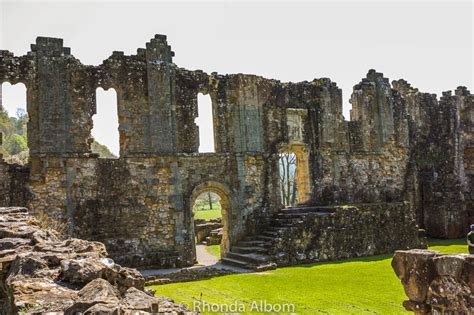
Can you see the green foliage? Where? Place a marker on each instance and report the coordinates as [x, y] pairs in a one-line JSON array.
[[15, 144], [102, 150], [207, 214], [354, 286], [14, 130], [202, 206]]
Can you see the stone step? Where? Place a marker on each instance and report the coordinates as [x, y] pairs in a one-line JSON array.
[[290, 221], [292, 218], [253, 242], [289, 215], [236, 263], [260, 237], [264, 238], [272, 234], [279, 229], [249, 249], [312, 209], [283, 225], [265, 267], [253, 259]]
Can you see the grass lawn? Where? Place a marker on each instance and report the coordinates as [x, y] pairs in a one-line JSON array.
[[215, 250], [355, 286], [207, 214], [449, 246]]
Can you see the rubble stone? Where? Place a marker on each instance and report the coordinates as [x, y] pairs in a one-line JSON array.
[[435, 283], [68, 276]]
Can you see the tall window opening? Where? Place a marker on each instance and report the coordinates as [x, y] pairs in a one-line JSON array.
[[287, 165], [13, 123], [205, 123], [105, 130]]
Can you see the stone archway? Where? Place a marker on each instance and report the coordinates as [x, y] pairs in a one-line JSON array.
[[224, 193]]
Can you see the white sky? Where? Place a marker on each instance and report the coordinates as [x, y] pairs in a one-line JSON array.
[[428, 43]]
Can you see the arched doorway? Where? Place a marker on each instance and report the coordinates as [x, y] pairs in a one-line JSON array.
[[222, 194]]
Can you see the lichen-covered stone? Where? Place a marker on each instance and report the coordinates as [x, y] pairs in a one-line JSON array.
[[435, 283], [70, 276]]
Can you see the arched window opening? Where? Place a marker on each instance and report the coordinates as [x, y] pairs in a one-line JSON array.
[[13, 99], [205, 123], [287, 165], [105, 130], [13, 123], [208, 225]]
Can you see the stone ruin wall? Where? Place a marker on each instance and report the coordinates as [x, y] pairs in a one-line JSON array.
[[13, 188], [370, 228], [140, 204]]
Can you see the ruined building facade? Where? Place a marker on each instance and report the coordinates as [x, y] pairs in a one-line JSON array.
[[401, 147]]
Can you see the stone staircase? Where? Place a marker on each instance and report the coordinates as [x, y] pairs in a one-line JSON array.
[[252, 252]]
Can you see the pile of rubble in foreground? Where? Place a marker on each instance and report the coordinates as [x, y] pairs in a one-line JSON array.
[[41, 273], [436, 283]]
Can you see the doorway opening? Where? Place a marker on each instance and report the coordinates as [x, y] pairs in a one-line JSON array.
[[208, 222], [294, 181], [209, 206]]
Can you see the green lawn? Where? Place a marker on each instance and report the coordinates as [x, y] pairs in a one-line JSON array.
[[355, 286], [449, 246], [215, 250], [207, 214], [205, 206]]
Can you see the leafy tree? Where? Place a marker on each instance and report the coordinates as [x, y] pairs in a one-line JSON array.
[[15, 144]]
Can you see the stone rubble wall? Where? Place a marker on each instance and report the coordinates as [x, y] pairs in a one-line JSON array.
[[436, 283], [41, 273], [440, 173], [141, 207], [13, 184], [351, 231], [203, 229]]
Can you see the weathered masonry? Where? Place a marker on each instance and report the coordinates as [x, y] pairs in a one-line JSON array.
[[406, 156]]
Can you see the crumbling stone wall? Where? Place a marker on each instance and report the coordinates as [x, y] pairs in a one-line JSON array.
[[140, 205], [439, 180], [13, 184], [350, 231]]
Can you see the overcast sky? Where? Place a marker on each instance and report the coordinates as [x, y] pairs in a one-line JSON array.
[[428, 43]]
